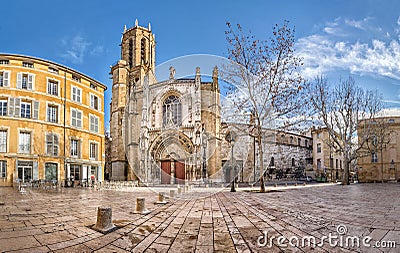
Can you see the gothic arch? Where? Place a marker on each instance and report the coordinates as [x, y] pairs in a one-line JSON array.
[[173, 143]]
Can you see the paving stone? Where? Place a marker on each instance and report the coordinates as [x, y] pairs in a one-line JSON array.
[[198, 222]]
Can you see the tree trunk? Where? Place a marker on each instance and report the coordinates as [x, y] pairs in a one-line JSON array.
[[345, 178], [261, 157]]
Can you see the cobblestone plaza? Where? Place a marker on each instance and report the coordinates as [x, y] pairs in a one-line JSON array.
[[200, 220]]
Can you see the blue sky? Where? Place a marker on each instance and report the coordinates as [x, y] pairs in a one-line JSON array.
[[336, 38]]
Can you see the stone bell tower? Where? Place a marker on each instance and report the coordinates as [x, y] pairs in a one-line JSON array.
[[128, 75]]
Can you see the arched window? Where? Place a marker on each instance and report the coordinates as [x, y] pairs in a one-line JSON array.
[[293, 162], [143, 50], [130, 60], [172, 111], [272, 162]]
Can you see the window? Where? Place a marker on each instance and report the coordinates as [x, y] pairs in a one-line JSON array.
[[25, 81], [94, 102], [27, 64], [391, 121], [337, 163], [172, 111], [299, 141], [93, 150], [293, 162], [50, 171], [76, 118], [340, 164], [374, 157], [52, 87], [3, 140], [75, 148], [319, 148], [143, 50], [272, 162], [92, 86], [291, 139], [374, 140], [3, 169], [306, 143], [75, 171], [76, 78], [4, 78], [3, 107], [53, 70], [318, 135], [52, 113], [319, 165], [76, 94], [25, 110], [51, 144], [4, 62], [94, 124], [24, 142]]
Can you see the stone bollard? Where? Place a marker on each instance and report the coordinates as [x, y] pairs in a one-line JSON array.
[[295, 184], [285, 184], [141, 206], [104, 220], [186, 188], [276, 185], [171, 193], [179, 190], [161, 198], [304, 183]]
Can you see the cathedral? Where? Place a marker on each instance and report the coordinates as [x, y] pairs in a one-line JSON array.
[[171, 131], [162, 132]]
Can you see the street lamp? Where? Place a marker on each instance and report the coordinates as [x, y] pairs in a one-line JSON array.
[[231, 138]]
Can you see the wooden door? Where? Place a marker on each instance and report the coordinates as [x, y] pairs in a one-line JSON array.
[[165, 172], [179, 172]]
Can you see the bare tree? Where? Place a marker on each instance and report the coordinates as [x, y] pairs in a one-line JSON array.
[[341, 108], [265, 77]]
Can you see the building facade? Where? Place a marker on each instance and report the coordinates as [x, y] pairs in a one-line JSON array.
[[326, 162], [161, 132], [51, 122], [378, 159]]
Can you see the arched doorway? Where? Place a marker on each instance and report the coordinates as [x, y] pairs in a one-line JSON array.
[[172, 150]]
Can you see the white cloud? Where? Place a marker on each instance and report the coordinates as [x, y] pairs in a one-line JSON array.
[[325, 52], [76, 48]]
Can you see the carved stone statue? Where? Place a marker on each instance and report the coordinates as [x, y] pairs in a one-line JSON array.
[[171, 72]]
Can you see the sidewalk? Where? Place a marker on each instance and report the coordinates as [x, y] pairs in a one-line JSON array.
[[202, 220]]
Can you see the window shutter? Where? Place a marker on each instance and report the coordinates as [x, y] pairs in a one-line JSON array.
[[84, 172], [31, 81], [99, 107], [6, 78], [68, 171], [35, 171], [55, 144], [91, 100], [35, 110], [99, 174], [17, 107], [47, 144], [19, 80], [11, 107], [79, 118], [79, 149]]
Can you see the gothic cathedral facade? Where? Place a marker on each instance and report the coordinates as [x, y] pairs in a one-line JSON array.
[[162, 132]]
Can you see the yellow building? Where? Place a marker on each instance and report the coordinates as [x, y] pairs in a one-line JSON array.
[[326, 162], [378, 159], [51, 122]]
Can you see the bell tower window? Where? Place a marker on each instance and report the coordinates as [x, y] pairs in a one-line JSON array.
[[130, 60], [143, 51], [172, 111]]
